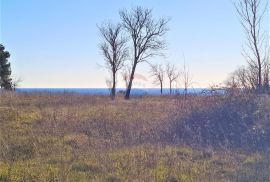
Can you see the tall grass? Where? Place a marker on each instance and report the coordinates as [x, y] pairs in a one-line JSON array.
[[76, 137]]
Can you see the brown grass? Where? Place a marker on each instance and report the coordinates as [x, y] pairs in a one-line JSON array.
[[76, 137]]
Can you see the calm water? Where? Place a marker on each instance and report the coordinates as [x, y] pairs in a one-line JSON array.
[[106, 91]]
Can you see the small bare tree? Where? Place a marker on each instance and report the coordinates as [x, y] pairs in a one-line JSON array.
[[251, 13], [16, 83], [158, 74], [109, 84], [242, 78], [114, 50], [146, 35], [186, 79], [172, 74], [125, 75]]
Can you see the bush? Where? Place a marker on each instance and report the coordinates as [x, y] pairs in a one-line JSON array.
[[236, 121], [18, 151], [112, 179], [81, 167]]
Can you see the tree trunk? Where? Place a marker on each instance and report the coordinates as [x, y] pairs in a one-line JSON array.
[[113, 87], [258, 56], [127, 96], [170, 87], [161, 88], [260, 76]]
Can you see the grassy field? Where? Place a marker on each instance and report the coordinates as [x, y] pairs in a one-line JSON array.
[[73, 137]]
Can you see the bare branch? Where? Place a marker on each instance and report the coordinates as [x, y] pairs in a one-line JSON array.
[[158, 75], [251, 13], [186, 77], [113, 48], [172, 74], [146, 35]]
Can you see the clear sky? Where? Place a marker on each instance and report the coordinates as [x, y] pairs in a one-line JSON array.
[[54, 43]]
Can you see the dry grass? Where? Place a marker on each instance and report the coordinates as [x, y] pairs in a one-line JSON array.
[[74, 137]]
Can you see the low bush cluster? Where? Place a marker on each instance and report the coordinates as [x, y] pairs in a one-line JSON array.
[[240, 121]]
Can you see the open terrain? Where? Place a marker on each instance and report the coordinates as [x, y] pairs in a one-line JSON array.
[[76, 137]]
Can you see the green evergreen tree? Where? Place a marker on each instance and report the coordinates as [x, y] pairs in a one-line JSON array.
[[5, 70]]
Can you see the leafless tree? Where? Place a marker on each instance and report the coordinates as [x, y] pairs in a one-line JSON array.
[[172, 74], [114, 50], [16, 83], [158, 74], [109, 84], [146, 35], [186, 77], [251, 13], [242, 78], [126, 75]]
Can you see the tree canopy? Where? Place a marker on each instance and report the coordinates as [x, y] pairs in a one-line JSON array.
[[5, 69]]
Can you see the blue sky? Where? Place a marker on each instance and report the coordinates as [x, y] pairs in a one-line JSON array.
[[53, 43]]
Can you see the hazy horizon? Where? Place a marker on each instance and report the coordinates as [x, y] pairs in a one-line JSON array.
[[54, 44]]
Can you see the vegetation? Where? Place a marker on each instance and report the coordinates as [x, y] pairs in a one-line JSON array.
[[5, 70], [172, 75], [146, 34], [146, 37], [221, 136], [75, 137], [158, 75], [114, 50], [254, 76]]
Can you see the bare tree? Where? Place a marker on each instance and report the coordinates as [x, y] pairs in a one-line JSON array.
[[245, 78], [172, 74], [158, 74], [16, 83], [109, 84], [126, 75], [251, 13], [186, 77], [114, 50], [242, 78], [146, 35]]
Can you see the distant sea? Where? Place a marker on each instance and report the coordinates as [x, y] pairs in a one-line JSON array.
[[134, 91]]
